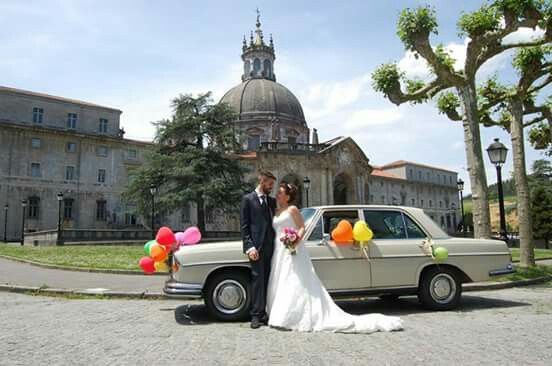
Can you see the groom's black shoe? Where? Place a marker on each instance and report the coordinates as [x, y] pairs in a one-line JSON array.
[[256, 323], [264, 319]]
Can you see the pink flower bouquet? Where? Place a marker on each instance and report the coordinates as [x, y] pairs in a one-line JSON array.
[[289, 239]]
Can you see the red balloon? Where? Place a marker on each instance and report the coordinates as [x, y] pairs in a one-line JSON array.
[[165, 237], [147, 264]]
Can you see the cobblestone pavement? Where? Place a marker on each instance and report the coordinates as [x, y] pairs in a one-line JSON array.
[[505, 327]]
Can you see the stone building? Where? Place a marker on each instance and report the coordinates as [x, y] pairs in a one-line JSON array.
[[51, 145]]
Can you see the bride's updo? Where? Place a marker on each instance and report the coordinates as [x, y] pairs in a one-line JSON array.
[[290, 190]]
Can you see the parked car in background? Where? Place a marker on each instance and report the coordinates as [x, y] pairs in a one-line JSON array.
[[395, 263]]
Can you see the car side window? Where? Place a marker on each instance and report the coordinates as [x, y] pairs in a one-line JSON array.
[[385, 224], [412, 229], [317, 232], [332, 218]]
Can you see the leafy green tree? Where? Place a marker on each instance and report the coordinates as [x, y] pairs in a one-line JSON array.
[[542, 213], [192, 160], [486, 28]]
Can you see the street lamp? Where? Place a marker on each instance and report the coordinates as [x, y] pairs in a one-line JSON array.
[[306, 184], [153, 192], [497, 154], [6, 223], [23, 206], [460, 185], [59, 224]]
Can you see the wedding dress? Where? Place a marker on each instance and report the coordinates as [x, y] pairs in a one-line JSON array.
[[297, 300]]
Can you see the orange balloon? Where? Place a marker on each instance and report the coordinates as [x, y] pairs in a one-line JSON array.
[[343, 232], [158, 253]]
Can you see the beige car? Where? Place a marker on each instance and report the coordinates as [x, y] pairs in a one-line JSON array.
[[397, 261]]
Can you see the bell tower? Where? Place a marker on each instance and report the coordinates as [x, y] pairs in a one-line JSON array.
[[258, 57]]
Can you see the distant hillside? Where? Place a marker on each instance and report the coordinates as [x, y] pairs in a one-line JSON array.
[[508, 186]]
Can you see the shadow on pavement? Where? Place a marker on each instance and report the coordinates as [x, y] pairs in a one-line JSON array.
[[192, 315], [410, 305], [197, 314]]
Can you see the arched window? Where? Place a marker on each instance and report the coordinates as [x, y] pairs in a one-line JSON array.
[[267, 67], [256, 65]]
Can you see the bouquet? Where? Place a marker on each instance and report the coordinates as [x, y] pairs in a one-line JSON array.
[[289, 238]]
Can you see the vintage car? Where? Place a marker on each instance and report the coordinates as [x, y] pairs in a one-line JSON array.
[[395, 262]]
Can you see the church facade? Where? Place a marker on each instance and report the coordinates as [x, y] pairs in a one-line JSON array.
[[53, 145]]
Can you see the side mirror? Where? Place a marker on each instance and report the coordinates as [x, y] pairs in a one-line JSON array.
[[325, 239]]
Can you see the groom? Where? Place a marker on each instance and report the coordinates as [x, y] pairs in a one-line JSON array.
[[256, 213]]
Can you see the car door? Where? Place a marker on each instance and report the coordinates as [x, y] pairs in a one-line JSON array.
[[395, 253], [339, 267]]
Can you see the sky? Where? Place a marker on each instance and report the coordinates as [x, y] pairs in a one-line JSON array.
[[138, 55]]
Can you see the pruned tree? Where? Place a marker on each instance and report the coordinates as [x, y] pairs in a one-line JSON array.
[[514, 108], [192, 160], [486, 29]]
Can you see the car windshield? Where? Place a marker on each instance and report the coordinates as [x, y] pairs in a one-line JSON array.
[[308, 214]]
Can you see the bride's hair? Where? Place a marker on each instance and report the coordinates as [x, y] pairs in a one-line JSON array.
[[291, 191]]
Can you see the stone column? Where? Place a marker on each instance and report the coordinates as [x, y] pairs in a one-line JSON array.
[[330, 200], [323, 188]]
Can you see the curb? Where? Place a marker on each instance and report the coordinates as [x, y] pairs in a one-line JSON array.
[[470, 287], [79, 269]]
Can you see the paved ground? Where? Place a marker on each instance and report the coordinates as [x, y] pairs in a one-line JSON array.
[[23, 274], [505, 327]]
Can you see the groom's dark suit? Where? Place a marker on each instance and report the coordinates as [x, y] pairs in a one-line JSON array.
[[256, 215]]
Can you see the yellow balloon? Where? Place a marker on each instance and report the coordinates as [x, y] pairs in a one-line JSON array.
[[361, 232], [161, 266]]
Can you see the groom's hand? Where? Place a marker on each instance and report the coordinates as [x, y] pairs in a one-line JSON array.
[[253, 254]]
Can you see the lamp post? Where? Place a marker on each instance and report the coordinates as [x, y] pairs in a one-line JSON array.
[[59, 223], [306, 184], [153, 191], [23, 206], [6, 223], [460, 185], [497, 154]]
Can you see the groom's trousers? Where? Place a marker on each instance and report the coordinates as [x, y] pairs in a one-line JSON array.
[[260, 273]]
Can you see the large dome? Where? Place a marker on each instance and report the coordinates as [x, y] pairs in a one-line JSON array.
[[262, 98]]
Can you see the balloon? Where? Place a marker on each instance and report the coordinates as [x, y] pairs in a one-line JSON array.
[[148, 245], [191, 236], [179, 236], [440, 254], [158, 253], [161, 266], [147, 265], [361, 232], [165, 237], [343, 232]]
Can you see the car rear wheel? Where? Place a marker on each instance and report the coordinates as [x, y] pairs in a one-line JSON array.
[[440, 289], [227, 296]]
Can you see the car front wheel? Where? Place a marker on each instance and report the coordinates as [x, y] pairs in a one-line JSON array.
[[227, 296], [440, 289]]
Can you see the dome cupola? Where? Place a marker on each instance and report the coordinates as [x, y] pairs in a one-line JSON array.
[[258, 57]]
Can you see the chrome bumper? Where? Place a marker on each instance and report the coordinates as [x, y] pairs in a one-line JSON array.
[[502, 271], [181, 290]]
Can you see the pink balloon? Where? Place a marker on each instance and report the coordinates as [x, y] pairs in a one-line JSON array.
[[191, 236], [179, 237]]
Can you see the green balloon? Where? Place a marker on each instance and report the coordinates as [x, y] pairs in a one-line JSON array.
[[440, 254], [148, 245]]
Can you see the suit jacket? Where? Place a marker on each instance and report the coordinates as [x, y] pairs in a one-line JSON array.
[[255, 224]]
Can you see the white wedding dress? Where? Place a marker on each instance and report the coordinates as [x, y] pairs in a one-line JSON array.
[[297, 300]]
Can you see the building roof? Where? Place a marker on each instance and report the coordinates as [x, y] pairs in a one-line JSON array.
[[263, 98], [399, 163], [53, 97], [377, 172]]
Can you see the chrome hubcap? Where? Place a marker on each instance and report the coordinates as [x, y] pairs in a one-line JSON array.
[[443, 288], [229, 296]]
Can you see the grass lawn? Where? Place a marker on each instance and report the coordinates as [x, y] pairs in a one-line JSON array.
[[522, 274], [87, 256], [539, 253]]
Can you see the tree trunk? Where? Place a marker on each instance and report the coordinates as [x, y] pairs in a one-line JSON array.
[[476, 166], [527, 253], [201, 215]]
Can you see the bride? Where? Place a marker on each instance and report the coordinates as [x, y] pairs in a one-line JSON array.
[[296, 298]]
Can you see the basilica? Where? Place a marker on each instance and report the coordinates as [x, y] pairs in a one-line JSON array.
[[66, 162]]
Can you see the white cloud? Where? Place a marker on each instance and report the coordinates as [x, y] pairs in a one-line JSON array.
[[524, 35], [363, 118]]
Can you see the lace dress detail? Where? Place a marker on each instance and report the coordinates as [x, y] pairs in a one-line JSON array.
[[297, 299]]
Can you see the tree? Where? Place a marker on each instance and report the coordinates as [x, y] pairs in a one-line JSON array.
[[512, 104], [192, 160], [542, 213], [486, 28]]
